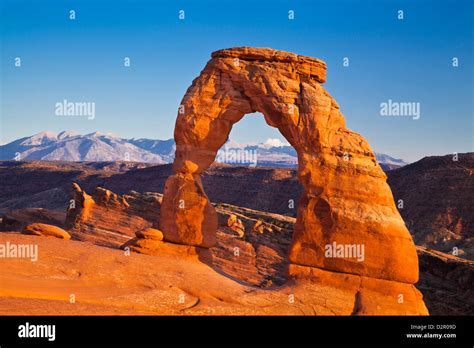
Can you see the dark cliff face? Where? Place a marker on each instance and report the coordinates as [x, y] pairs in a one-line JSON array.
[[438, 202], [447, 283], [266, 189]]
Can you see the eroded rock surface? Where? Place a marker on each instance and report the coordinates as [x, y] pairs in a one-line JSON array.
[[109, 219]]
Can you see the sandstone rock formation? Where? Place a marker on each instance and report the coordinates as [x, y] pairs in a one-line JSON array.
[[187, 216], [150, 242], [234, 223], [346, 199], [39, 229], [154, 247], [109, 219], [150, 233]]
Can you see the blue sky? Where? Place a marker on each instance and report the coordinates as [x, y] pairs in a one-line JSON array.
[[407, 60]]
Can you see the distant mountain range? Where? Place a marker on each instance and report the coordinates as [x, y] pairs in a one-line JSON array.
[[70, 146]]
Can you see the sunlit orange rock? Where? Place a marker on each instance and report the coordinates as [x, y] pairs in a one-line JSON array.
[[109, 219], [187, 216], [79, 206], [150, 233], [372, 296], [346, 199], [39, 229]]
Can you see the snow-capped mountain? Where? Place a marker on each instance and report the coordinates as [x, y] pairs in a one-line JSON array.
[[271, 153], [163, 148], [276, 153], [70, 146], [388, 160]]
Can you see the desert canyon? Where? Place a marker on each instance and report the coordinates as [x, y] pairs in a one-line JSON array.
[[169, 249]]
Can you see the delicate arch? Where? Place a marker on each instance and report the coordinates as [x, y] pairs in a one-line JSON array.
[[346, 199]]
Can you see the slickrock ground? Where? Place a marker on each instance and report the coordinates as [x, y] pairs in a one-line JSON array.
[[106, 281]]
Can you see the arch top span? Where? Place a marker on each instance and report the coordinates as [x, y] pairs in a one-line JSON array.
[[304, 65], [346, 200]]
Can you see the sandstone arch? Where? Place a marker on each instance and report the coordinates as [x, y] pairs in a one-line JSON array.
[[346, 199]]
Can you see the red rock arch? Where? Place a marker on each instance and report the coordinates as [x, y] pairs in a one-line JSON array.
[[346, 199]]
